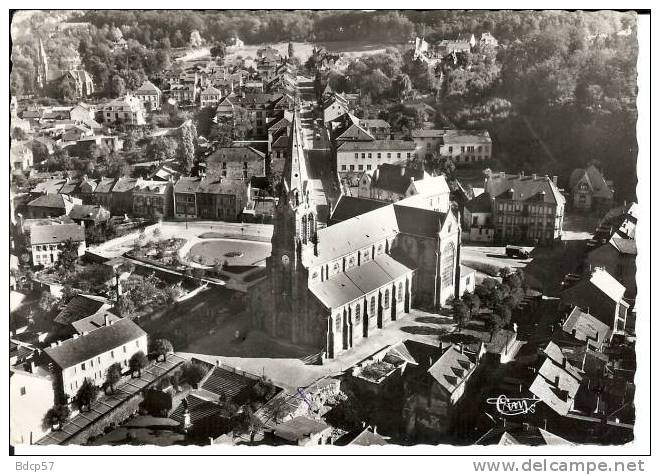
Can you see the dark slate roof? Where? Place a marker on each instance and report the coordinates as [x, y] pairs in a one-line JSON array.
[[85, 212], [77, 350], [187, 184], [524, 188], [367, 437], [124, 184], [480, 204], [56, 233], [69, 187], [349, 207], [49, 201], [418, 221], [105, 185], [79, 307], [395, 178]]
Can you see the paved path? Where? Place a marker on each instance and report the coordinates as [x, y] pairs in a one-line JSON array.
[[291, 373]]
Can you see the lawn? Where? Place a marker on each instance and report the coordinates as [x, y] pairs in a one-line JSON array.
[[231, 252]]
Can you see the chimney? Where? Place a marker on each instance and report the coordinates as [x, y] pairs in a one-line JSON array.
[[554, 179], [106, 320], [533, 176], [403, 171], [33, 366], [557, 381]]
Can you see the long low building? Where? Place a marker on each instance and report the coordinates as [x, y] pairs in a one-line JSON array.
[[366, 156]]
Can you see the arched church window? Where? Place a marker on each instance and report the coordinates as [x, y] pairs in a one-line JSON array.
[[399, 292], [386, 298], [372, 305]]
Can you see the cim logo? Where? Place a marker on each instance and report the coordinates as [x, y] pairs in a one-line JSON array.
[[513, 406]]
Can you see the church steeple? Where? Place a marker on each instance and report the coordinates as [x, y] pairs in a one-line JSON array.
[[42, 65], [295, 170]]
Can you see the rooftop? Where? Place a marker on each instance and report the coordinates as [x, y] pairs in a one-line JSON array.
[[56, 233], [77, 350]]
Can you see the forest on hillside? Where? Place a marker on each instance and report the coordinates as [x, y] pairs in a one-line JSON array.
[[560, 93]]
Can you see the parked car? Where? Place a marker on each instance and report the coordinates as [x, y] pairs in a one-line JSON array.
[[517, 251]]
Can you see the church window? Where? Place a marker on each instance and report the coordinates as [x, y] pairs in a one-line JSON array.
[[372, 305], [338, 322], [447, 265], [357, 313], [386, 299], [399, 292]]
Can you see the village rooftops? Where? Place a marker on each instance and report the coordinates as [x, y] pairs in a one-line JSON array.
[[51, 201], [374, 124], [56, 233], [95, 321], [524, 187], [377, 145], [451, 369], [86, 212], [77, 350], [584, 327], [595, 179], [147, 88], [299, 428], [104, 185], [557, 381], [79, 307], [480, 204], [187, 184], [396, 178], [624, 246], [50, 186]]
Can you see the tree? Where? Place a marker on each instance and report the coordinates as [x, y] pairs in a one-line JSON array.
[[86, 394], [137, 362], [473, 303], [194, 373], [290, 50], [57, 416], [460, 311], [219, 50], [18, 134], [68, 256], [161, 347], [117, 86], [186, 148], [247, 423], [438, 165], [161, 149], [113, 376]]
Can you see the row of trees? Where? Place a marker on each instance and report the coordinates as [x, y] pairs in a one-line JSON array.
[[500, 298]]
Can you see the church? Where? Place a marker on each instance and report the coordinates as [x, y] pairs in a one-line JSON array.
[[329, 286]]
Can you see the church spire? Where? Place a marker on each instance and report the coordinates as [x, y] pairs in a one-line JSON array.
[[295, 170], [42, 65]]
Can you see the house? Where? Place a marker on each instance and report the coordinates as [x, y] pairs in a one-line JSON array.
[[185, 197], [462, 146], [210, 97], [396, 182], [618, 257], [42, 148], [356, 157], [236, 162], [51, 205], [102, 194], [478, 219], [150, 96], [526, 209], [261, 108], [75, 133], [152, 199], [585, 327], [557, 381], [334, 107], [31, 395], [590, 189], [377, 128], [46, 242], [600, 295], [90, 354], [48, 186], [121, 200], [303, 432], [20, 156], [89, 215], [431, 398], [85, 190], [221, 198], [128, 109], [183, 93]]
